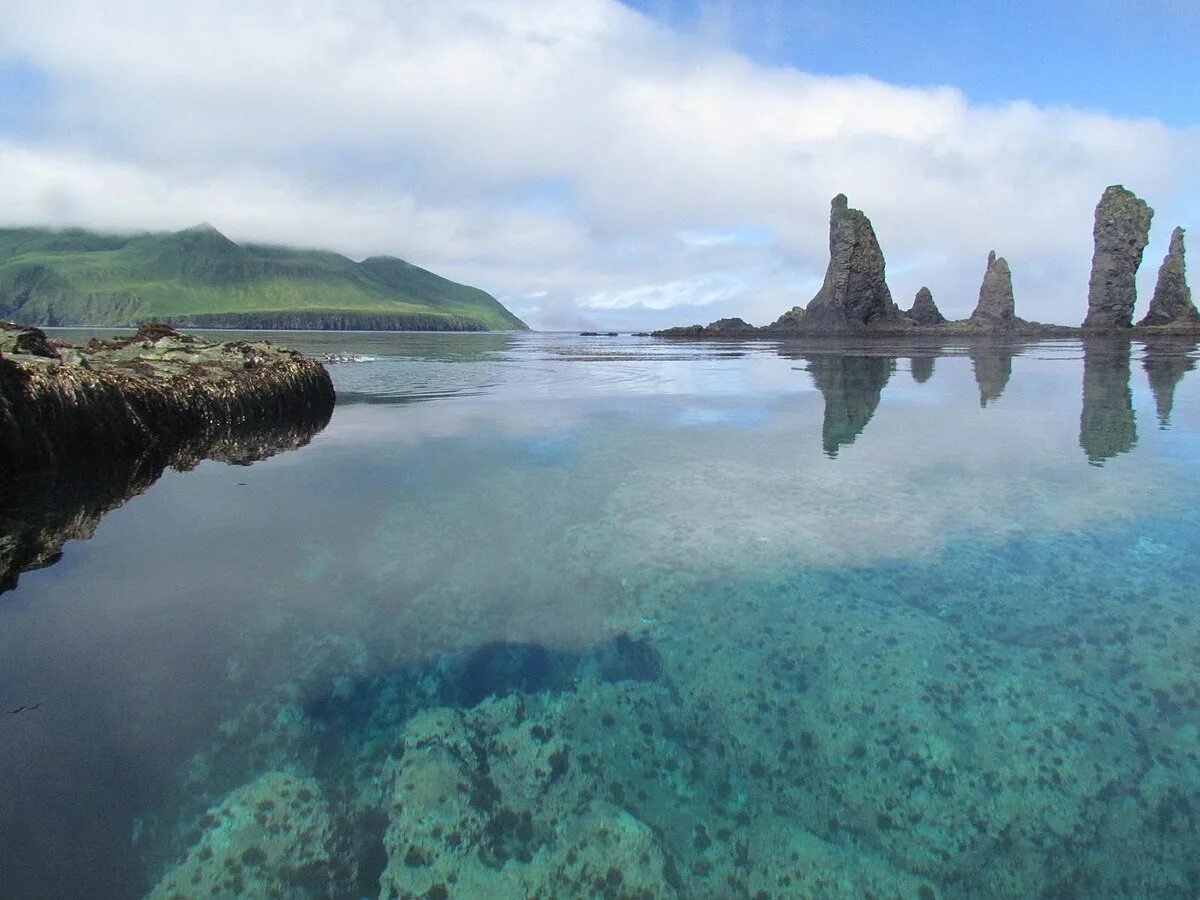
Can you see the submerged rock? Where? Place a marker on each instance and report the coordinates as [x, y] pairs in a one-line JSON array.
[[157, 390], [275, 837], [924, 311], [1172, 301], [996, 305], [855, 292], [1120, 233]]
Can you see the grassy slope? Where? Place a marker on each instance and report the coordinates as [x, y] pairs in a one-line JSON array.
[[76, 277]]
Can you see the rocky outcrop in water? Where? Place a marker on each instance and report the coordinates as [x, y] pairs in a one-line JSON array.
[[157, 391], [854, 294], [274, 837], [720, 328], [924, 311], [996, 305], [1120, 233], [1172, 301], [792, 320]]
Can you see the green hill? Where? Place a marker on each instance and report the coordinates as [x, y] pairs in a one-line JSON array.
[[199, 277]]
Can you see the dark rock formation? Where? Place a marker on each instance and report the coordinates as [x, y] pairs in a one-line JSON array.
[[992, 364], [996, 305], [1166, 361], [157, 391], [924, 311], [1121, 231], [720, 328], [922, 368], [855, 292], [851, 386], [1172, 300], [1107, 426], [792, 320]]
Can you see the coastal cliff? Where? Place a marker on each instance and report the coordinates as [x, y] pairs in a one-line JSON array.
[[157, 391]]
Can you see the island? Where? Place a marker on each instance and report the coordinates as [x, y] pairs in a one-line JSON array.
[[200, 278]]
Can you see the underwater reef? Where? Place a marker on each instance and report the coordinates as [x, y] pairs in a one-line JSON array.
[[159, 390]]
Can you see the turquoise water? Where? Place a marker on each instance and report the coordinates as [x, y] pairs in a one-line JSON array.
[[543, 615]]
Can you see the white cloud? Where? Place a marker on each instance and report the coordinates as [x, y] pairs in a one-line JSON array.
[[564, 155]]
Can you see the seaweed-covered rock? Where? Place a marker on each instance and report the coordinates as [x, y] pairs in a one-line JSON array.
[[924, 311], [156, 390], [855, 292], [1172, 301], [1120, 233], [274, 837], [26, 341], [483, 807], [996, 305]]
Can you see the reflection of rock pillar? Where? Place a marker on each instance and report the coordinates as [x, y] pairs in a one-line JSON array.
[[1165, 365], [851, 386], [922, 368], [1106, 425], [992, 364]]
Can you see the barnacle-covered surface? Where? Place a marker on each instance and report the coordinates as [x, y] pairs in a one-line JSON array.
[[157, 390]]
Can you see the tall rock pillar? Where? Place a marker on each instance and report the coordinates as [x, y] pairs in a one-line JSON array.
[[1121, 232]]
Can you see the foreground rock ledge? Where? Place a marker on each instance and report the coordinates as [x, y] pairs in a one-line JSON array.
[[157, 390]]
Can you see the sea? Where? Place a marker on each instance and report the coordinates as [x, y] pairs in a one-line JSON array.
[[547, 615]]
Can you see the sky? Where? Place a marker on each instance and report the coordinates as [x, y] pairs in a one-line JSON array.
[[598, 164]]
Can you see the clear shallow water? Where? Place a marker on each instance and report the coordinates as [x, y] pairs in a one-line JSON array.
[[561, 616]]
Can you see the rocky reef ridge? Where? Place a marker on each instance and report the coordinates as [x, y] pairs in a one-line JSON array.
[[156, 391]]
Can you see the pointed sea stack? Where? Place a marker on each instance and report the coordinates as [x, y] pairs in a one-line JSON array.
[[1172, 301], [996, 305], [924, 311], [855, 292], [1121, 232]]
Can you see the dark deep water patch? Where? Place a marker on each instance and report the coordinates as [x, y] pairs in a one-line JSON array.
[[776, 617]]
